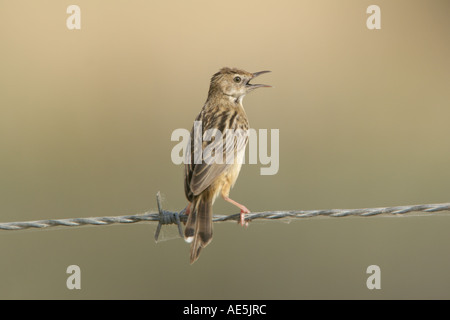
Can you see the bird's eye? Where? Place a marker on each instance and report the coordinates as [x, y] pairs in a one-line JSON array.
[[237, 79]]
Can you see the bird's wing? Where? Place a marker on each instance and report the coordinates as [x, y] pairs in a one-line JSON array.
[[228, 148]]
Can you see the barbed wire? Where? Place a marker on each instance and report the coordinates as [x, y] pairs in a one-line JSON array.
[[164, 217]]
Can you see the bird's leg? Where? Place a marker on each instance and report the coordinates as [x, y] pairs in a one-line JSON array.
[[244, 210], [187, 210]]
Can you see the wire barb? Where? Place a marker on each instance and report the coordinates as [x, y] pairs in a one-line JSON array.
[[167, 217], [164, 217]]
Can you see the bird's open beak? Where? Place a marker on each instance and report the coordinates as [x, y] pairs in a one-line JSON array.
[[254, 86]]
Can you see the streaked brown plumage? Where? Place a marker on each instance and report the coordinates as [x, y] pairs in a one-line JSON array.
[[204, 181]]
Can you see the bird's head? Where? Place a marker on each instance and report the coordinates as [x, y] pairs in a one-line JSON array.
[[234, 83]]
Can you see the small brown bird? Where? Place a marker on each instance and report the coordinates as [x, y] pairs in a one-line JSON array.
[[204, 179]]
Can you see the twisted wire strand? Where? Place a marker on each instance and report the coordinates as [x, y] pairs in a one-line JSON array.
[[164, 217]]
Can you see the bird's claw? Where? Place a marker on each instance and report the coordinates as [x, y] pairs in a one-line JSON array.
[[242, 220]]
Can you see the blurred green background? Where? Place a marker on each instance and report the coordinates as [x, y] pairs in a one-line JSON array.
[[86, 118]]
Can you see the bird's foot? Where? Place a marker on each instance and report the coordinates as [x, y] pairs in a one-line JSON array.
[[243, 208], [186, 211], [242, 221]]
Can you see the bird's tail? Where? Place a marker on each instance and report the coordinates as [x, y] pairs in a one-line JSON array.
[[199, 227]]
